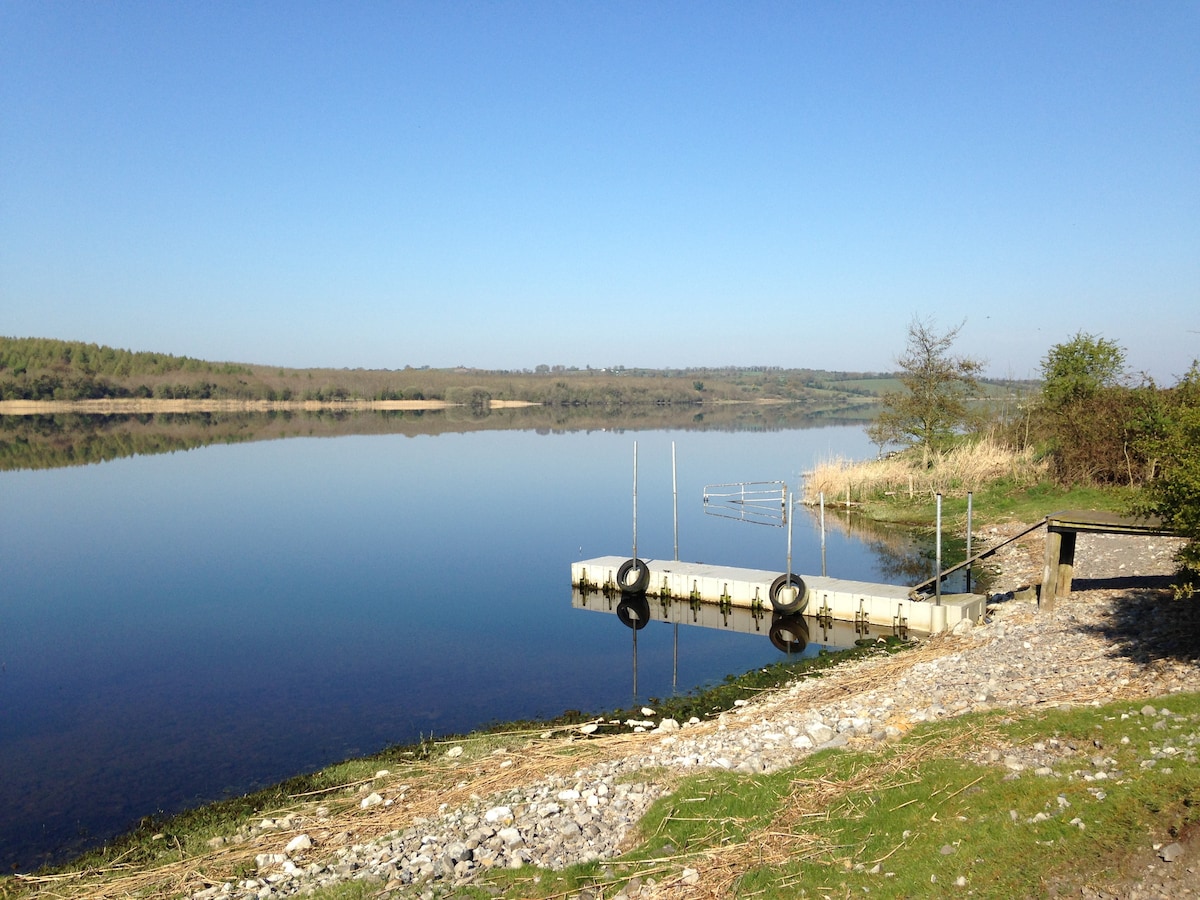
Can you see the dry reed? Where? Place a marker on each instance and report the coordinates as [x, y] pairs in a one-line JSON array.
[[964, 468]]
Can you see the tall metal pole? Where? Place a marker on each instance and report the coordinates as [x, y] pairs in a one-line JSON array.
[[822, 534], [969, 499], [788, 570], [675, 628], [635, 556], [937, 588], [675, 499]]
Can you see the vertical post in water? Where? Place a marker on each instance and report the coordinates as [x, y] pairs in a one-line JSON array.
[[675, 662], [675, 500], [969, 541], [788, 570], [635, 556], [675, 513], [822, 534], [635, 631], [937, 585]]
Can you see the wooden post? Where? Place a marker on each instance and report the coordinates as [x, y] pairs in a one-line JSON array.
[[1066, 563], [1051, 569]]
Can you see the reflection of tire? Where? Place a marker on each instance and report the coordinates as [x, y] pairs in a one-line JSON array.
[[633, 576], [789, 633], [633, 611], [789, 594]]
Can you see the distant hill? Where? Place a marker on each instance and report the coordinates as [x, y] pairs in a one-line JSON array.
[[47, 369]]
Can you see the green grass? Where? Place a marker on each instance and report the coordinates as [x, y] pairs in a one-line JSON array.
[[162, 841], [999, 501], [912, 820], [906, 819]]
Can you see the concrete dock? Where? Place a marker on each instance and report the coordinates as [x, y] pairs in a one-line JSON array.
[[881, 605]]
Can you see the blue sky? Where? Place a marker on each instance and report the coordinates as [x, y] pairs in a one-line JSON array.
[[505, 184]]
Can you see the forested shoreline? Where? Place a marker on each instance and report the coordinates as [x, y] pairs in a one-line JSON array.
[[42, 369]]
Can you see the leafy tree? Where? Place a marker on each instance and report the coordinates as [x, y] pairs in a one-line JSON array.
[[938, 388], [1088, 423], [1174, 492], [1080, 367]]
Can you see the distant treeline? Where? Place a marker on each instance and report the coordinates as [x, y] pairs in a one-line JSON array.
[[46, 369]]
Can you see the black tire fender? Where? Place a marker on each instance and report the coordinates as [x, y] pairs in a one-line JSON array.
[[633, 611], [789, 632], [638, 581], [789, 594]]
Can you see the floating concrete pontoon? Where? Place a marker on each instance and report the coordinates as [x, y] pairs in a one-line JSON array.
[[883, 605]]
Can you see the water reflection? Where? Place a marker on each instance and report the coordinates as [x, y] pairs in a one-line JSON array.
[[903, 554], [177, 628], [789, 633], [73, 439], [792, 634]]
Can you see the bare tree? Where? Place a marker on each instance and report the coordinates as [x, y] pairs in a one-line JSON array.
[[938, 388]]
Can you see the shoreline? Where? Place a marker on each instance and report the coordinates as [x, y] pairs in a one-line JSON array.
[[134, 405], [394, 829]]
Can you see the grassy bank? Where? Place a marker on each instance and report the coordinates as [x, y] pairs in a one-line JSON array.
[[937, 814], [166, 857], [1005, 485]]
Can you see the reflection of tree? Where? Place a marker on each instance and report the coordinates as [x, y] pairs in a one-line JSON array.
[[54, 441], [906, 555]]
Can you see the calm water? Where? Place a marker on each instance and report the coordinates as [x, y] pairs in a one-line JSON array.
[[179, 628]]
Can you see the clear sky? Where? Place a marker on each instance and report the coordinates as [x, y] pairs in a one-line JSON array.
[[503, 184]]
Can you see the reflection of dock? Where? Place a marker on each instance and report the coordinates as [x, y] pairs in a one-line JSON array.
[[878, 605], [788, 633]]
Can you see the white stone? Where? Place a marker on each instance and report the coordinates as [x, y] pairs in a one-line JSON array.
[[1171, 852], [370, 800], [454, 752], [819, 732], [269, 860], [298, 843], [498, 815]]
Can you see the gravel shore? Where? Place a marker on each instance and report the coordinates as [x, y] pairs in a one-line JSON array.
[[1118, 635]]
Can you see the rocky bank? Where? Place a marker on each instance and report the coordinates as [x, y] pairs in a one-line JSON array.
[[1118, 635]]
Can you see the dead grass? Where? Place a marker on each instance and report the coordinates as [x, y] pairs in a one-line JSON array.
[[414, 791], [965, 468], [800, 830]]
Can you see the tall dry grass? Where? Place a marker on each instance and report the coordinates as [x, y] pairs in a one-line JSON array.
[[965, 468]]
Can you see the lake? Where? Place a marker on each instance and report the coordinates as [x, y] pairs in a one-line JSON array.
[[182, 627]]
